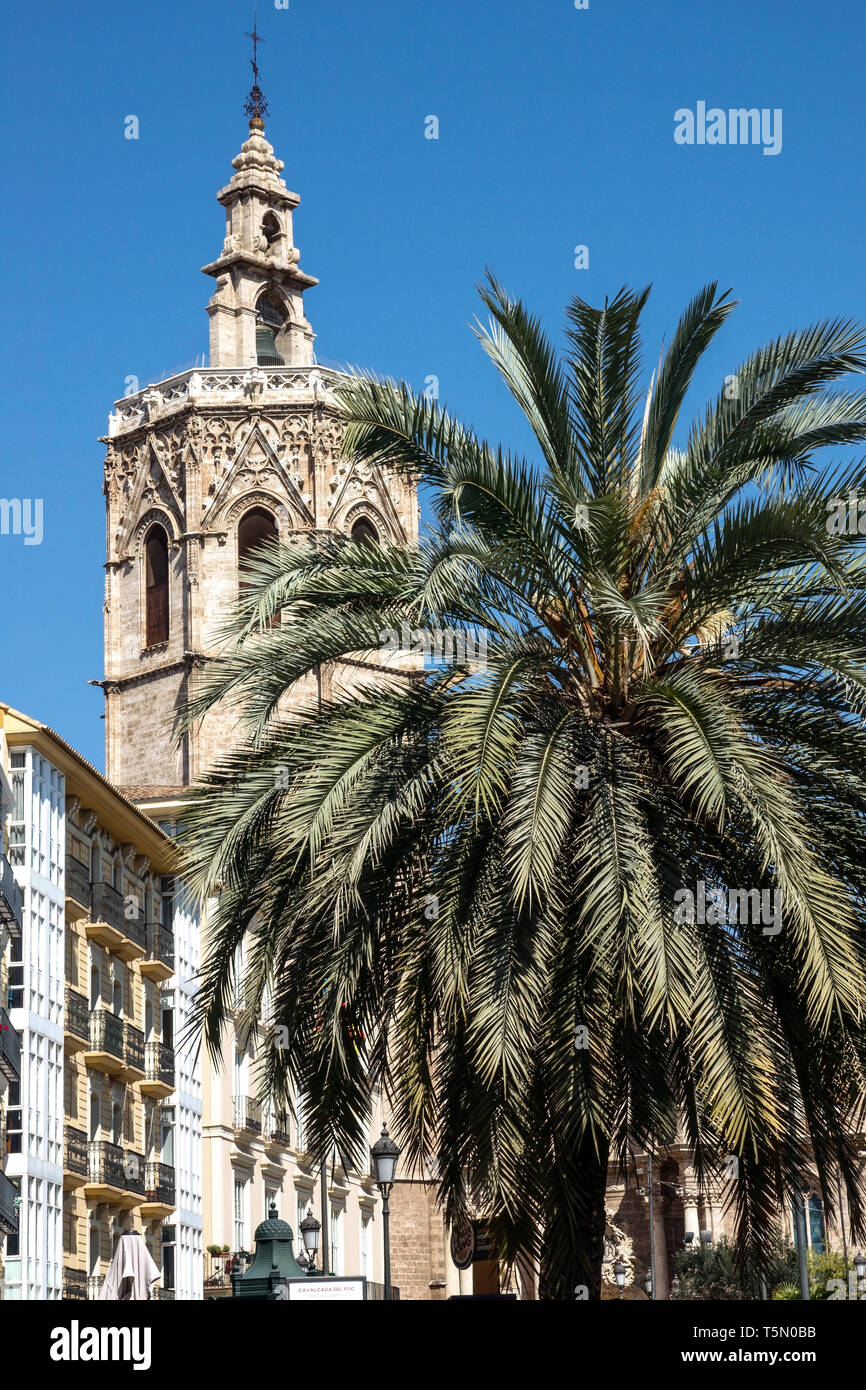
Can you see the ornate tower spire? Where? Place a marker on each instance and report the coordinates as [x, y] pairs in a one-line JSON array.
[[257, 313], [255, 105]]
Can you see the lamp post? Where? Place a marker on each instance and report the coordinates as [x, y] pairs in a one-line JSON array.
[[619, 1273], [860, 1267], [310, 1229], [384, 1154], [802, 1241], [842, 1221], [652, 1227], [648, 1283]]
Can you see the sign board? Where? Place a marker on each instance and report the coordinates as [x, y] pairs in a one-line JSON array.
[[324, 1290], [470, 1243]]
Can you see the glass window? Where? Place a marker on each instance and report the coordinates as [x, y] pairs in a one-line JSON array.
[[337, 1240], [815, 1218], [240, 1214], [156, 586], [166, 902]]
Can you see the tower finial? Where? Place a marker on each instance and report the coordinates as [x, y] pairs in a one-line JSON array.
[[255, 105]]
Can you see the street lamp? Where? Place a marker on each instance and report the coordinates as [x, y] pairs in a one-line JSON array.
[[648, 1283], [619, 1272], [310, 1228], [860, 1266], [384, 1154]]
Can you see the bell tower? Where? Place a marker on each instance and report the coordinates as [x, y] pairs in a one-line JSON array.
[[200, 467], [257, 311]]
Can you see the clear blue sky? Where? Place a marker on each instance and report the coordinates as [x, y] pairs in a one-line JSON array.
[[556, 129]]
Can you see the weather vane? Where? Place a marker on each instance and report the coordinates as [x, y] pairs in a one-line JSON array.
[[255, 105]]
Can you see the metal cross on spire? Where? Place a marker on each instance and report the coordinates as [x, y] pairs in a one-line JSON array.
[[255, 105]]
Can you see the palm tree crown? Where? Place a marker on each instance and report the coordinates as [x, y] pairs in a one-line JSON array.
[[521, 885]]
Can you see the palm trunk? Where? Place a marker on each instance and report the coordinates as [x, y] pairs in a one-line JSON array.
[[573, 1245]]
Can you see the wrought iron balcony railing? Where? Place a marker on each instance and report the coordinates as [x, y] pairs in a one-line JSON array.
[[159, 1063], [105, 1164], [8, 1207], [133, 1171], [77, 881], [160, 944], [10, 1049], [74, 1283], [111, 1166], [11, 898], [247, 1114], [106, 905], [77, 1014], [106, 1033], [279, 1131], [133, 1047], [75, 1150], [159, 1183]]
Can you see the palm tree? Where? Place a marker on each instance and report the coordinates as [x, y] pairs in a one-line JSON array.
[[479, 882]]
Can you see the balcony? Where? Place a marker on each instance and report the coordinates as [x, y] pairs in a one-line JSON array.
[[158, 1070], [8, 1209], [278, 1136], [75, 1165], [76, 1023], [94, 1284], [247, 1115], [158, 962], [77, 886], [109, 925], [114, 1174], [11, 899], [74, 1283], [159, 1196], [106, 1050], [133, 1053], [10, 1049]]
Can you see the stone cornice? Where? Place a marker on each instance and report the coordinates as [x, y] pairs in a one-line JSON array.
[[221, 387]]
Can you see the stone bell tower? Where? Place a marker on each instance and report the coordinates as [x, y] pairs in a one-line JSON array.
[[201, 467], [258, 308]]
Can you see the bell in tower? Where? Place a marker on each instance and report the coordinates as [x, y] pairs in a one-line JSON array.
[[269, 323]]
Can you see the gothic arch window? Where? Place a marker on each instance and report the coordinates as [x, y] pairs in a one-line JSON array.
[[270, 228], [364, 532], [271, 319], [255, 528], [156, 586]]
